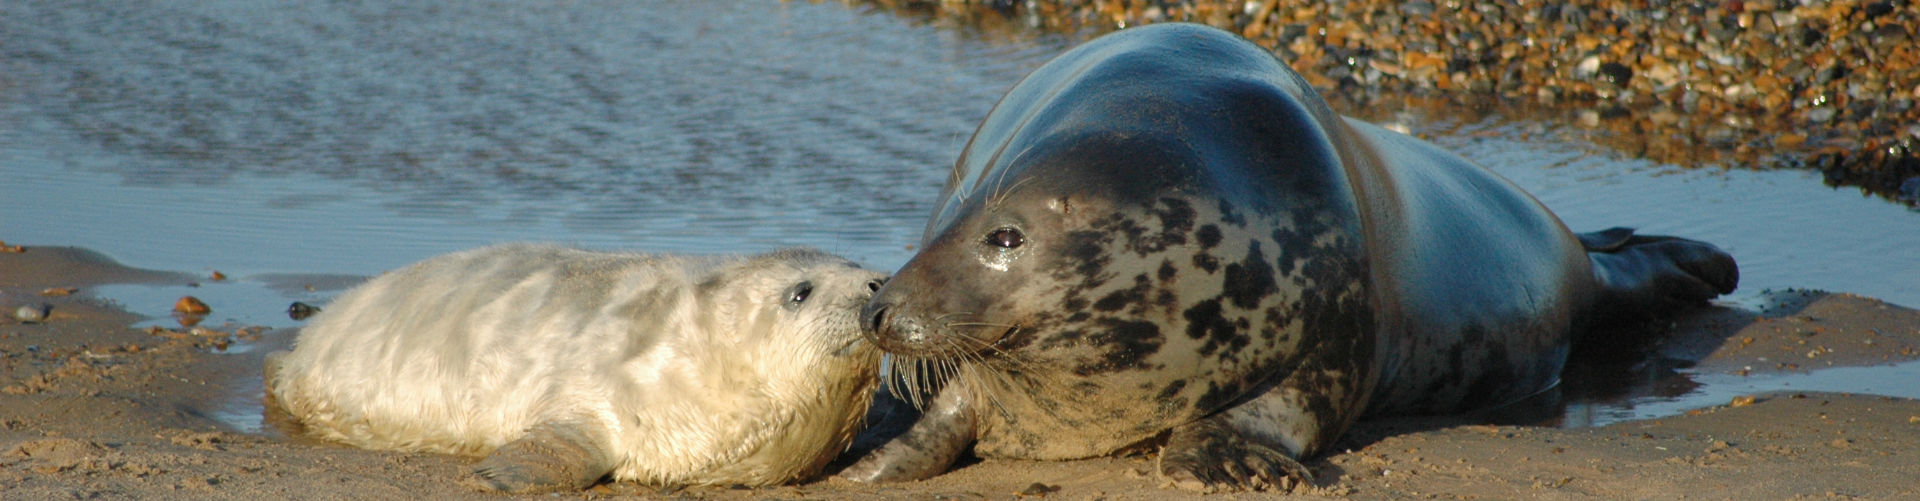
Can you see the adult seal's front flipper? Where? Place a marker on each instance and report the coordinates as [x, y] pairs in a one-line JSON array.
[[1642, 277], [941, 435]]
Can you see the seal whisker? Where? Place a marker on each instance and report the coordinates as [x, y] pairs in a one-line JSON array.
[[917, 385], [923, 377], [949, 368], [967, 367], [898, 376], [1000, 195], [962, 191], [995, 192], [983, 374], [1008, 372], [943, 318], [976, 381], [979, 324], [894, 377]]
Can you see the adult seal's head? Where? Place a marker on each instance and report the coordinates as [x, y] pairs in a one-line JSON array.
[[1164, 236]]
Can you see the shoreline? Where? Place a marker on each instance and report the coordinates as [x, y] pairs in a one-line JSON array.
[[90, 407], [1828, 86]]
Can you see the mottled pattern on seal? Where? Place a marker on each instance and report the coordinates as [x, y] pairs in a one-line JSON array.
[[1164, 237], [564, 366]]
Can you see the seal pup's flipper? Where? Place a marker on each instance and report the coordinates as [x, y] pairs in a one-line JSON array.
[[943, 432], [1645, 276], [550, 457]]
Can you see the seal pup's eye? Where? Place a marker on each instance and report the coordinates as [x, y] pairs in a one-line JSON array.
[[798, 294], [1006, 238]]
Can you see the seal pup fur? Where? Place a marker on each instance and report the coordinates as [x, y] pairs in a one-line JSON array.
[[1163, 237], [564, 366]]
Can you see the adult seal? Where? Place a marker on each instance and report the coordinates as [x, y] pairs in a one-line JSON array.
[[563, 366], [1165, 237]]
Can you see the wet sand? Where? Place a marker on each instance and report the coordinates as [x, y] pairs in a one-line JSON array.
[[91, 408]]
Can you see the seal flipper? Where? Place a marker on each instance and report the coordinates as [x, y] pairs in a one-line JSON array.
[[1210, 453], [943, 432], [550, 457], [1607, 240], [1645, 276], [1253, 445]]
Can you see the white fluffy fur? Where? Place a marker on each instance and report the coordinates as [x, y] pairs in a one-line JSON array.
[[694, 370]]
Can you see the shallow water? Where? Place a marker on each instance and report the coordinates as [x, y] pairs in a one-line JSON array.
[[295, 146]]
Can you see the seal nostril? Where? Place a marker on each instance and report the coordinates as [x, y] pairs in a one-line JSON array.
[[875, 318], [874, 285]]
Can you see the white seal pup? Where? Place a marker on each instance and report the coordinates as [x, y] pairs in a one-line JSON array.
[[564, 366]]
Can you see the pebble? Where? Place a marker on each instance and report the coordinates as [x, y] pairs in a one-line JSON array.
[[191, 305], [1037, 489], [300, 311], [32, 313], [1841, 77]]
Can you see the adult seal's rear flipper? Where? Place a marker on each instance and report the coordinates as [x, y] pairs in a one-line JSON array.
[[1642, 277]]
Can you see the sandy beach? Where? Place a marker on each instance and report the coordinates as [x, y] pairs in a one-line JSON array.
[[93, 409], [305, 144]]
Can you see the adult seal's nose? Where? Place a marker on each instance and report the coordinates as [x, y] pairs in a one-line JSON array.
[[875, 314], [893, 330]]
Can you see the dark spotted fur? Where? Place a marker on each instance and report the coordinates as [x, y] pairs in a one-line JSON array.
[[1212, 260]]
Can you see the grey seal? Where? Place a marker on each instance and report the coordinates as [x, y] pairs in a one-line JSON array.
[[1165, 238], [563, 366]]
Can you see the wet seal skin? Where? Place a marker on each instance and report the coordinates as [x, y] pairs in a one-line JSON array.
[[564, 366], [1165, 238]]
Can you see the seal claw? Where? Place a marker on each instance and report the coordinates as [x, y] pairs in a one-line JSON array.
[[1210, 456]]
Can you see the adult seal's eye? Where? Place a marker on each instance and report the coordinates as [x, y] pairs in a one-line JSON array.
[[1006, 238], [799, 293]]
